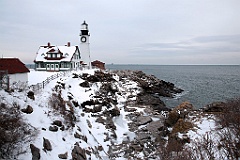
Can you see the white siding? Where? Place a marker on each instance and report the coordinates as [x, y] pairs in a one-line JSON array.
[[22, 77]]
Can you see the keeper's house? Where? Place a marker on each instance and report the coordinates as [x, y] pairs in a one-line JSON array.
[[57, 58]]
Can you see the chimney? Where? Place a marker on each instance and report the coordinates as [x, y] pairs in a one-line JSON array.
[[48, 44], [68, 44]]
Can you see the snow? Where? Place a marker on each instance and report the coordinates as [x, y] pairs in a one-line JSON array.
[[63, 141], [35, 77], [42, 52], [43, 116]]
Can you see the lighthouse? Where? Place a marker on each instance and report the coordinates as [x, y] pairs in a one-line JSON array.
[[84, 45]]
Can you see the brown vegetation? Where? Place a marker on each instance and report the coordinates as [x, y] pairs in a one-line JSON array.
[[13, 130]]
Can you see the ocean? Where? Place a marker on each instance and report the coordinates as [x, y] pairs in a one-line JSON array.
[[202, 84]]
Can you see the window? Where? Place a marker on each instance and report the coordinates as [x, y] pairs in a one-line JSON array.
[[41, 65]]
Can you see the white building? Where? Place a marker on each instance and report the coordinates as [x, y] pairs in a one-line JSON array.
[[62, 58], [16, 70], [57, 58], [84, 45]]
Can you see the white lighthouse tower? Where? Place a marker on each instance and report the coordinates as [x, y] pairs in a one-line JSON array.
[[84, 45]]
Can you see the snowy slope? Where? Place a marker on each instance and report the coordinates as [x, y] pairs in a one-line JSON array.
[[99, 132]]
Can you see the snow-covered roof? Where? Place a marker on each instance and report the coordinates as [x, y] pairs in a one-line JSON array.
[[67, 53]]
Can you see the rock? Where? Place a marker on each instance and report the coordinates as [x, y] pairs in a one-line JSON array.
[[46, 144], [126, 140], [89, 103], [153, 101], [97, 108], [30, 95], [53, 128], [136, 147], [62, 128], [142, 120], [143, 135], [115, 111], [147, 99], [155, 126], [57, 123], [100, 148], [129, 109], [185, 139], [27, 110], [85, 84], [100, 120], [214, 107], [84, 138], [78, 153], [77, 135], [35, 152], [110, 124], [75, 103], [63, 156]]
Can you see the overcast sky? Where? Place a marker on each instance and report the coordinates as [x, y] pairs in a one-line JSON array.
[[126, 32]]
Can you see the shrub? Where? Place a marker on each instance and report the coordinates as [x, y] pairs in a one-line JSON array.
[[230, 134], [59, 105], [13, 131]]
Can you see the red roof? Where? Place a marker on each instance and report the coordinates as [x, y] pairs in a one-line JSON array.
[[13, 65], [97, 62]]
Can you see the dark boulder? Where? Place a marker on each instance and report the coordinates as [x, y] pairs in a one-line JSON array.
[[154, 101], [35, 152], [27, 110], [78, 153], [142, 120], [155, 126], [115, 111], [30, 95], [214, 107], [89, 103], [97, 108], [53, 128], [57, 123], [63, 156], [85, 84], [46, 144]]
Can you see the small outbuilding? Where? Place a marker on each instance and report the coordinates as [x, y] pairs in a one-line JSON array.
[[98, 64], [16, 70]]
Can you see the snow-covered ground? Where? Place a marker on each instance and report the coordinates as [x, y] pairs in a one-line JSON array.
[[35, 77], [43, 116]]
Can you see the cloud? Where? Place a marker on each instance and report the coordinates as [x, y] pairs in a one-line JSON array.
[[221, 43], [134, 31]]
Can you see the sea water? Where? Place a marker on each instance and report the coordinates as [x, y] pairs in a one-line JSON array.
[[202, 84]]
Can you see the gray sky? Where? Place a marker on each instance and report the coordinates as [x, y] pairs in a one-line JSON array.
[[126, 32]]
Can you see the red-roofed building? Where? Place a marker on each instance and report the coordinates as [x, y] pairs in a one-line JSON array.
[[98, 64], [17, 71]]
